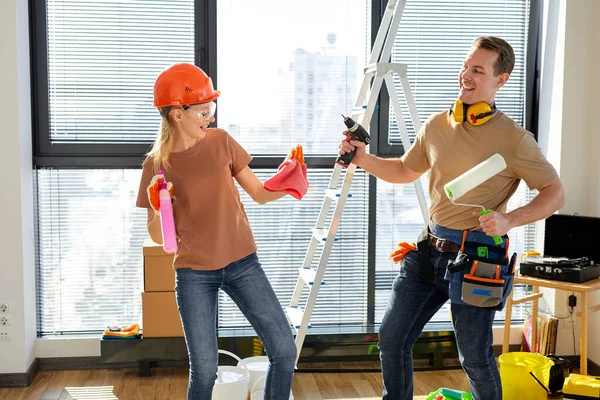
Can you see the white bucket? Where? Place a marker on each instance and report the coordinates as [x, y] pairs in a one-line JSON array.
[[257, 391], [232, 382], [257, 366]]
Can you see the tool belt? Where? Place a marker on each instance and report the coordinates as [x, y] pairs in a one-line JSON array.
[[481, 275]]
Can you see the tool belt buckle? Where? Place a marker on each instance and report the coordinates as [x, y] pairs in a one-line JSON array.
[[440, 244]]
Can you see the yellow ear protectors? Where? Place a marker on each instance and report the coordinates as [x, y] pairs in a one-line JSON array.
[[476, 114]]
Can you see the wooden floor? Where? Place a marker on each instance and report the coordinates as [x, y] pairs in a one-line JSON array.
[[171, 383]]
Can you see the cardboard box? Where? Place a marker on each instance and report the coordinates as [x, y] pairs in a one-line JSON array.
[[160, 317], [159, 275]]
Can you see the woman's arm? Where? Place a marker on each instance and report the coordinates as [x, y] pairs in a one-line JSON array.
[[255, 188], [154, 228]]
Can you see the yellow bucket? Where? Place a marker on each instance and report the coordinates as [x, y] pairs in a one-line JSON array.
[[517, 382]]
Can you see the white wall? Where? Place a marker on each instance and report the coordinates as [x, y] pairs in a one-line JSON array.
[[569, 132], [17, 277], [594, 174]]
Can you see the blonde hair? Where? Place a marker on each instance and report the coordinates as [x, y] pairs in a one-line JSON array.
[[161, 150]]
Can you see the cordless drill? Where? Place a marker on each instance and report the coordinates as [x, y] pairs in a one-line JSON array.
[[356, 132]]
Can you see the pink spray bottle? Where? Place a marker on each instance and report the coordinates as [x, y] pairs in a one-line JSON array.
[[166, 219]]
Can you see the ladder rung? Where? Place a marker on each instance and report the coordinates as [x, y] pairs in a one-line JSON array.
[[358, 110], [321, 234], [371, 68], [295, 315], [361, 110], [334, 194], [308, 275]]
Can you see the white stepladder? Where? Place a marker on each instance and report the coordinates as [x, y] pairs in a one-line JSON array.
[[378, 69]]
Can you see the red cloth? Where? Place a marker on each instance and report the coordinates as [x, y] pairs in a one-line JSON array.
[[290, 178]]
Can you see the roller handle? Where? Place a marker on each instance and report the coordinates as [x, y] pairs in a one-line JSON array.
[[497, 239]]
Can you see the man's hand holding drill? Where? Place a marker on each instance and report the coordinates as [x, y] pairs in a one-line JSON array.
[[348, 145], [354, 135]]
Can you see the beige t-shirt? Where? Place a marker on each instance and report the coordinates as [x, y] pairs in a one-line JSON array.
[[450, 148], [210, 221]]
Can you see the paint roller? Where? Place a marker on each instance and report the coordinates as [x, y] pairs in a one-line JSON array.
[[474, 177]]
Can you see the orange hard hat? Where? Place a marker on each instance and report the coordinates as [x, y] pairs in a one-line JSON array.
[[183, 84]]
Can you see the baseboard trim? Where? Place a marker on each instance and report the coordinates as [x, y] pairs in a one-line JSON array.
[[22, 379], [75, 363], [593, 368], [78, 363]]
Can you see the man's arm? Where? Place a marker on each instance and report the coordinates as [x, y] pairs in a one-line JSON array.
[[391, 170], [551, 197]]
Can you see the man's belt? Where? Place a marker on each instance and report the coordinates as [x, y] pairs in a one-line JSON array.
[[443, 245]]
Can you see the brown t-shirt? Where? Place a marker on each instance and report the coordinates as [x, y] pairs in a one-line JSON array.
[[210, 221], [449, 149]]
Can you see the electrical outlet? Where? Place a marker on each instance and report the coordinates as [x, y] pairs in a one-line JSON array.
[[4, 307], [4, 335], [4, 321], [569, 324]]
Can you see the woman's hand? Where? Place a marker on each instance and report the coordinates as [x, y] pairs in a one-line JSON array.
[[296, 153], [153, 189]]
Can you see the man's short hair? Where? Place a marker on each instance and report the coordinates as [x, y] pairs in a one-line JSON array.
[[506, 55]]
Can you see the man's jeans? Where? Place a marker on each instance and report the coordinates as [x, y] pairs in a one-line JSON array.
[[247, 285], [413, 302]]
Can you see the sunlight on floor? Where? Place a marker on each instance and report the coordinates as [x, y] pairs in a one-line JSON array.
[[91, 392]]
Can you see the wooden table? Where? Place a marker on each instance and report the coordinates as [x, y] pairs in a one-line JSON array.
[[582, 288]]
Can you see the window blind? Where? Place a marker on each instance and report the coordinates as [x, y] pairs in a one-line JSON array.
[[89, 250], [90, 237], [283, 231], [434, 38], [103, 58]]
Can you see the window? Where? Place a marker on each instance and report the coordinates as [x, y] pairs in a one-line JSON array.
[[399, 219], [433, 39], [90, 237], [89, 249], [282, 83], [94, 70], [100, 99]]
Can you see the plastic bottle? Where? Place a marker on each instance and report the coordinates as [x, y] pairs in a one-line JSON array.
[[166, 219]]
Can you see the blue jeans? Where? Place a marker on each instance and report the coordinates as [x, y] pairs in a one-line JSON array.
[[414, 300], [247, 285]]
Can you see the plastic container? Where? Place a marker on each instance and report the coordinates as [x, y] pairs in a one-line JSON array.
[[517, 382], [232, 381], [257, 366], [167, 220]]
